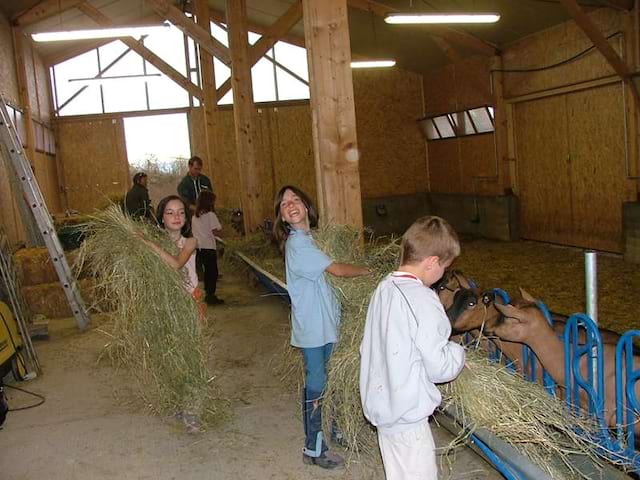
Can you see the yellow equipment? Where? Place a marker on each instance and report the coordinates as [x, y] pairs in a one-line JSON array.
[[10, 345]]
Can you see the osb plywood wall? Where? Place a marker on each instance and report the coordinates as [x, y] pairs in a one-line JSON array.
[[392, 150], [466, 164], [556, 45], [571, 149], [95, 161]]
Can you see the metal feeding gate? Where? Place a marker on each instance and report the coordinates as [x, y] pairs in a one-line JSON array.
[[506, 459]]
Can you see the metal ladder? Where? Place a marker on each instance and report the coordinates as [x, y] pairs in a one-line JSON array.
[[40, 214]]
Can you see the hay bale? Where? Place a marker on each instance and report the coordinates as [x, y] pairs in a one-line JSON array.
[[156, 328], [34, 266], [48, 299]]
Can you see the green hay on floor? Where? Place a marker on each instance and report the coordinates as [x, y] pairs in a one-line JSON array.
[[156, 331]]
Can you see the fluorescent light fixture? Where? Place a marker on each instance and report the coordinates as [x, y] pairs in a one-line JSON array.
[[88, 80], [132, 31], [440, 18], [373, 64]]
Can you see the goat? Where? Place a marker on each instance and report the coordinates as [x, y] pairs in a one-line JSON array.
[[524, 322]]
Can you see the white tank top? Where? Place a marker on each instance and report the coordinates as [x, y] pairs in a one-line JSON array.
[[190, 267]]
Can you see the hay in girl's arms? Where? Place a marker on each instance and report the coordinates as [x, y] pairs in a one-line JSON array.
[[156, 332]]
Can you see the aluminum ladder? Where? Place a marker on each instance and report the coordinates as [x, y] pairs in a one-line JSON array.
[[40, 214]]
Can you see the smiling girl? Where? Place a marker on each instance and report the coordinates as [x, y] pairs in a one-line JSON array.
[[315, 311]]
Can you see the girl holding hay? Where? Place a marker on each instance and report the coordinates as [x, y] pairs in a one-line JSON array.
[[172, 217], [315, 311]]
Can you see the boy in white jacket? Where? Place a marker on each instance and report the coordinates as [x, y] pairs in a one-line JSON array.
[[406, 350]]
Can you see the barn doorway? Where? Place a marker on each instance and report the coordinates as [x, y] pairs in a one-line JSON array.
[[571, 172], [159, 146]]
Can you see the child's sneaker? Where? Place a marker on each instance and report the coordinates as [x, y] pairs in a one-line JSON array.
[[328, 460]]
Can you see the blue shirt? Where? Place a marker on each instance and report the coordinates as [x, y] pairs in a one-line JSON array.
[[315, 312]]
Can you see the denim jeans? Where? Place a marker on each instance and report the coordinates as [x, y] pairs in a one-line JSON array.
[[315, 369]]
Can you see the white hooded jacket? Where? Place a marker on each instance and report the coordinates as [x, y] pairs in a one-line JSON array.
[[405, 351]]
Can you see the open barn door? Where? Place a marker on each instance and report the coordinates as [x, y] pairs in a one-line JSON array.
[[571, 168]]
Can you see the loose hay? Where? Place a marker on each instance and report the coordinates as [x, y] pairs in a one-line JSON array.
[[156, 331], [484, 396]]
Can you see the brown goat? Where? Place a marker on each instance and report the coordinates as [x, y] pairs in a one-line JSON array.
[[525, 323]]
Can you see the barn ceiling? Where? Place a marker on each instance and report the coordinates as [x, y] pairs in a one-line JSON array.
[[414, 47]]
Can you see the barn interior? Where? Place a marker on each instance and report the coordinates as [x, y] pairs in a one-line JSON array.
[[519, 132]]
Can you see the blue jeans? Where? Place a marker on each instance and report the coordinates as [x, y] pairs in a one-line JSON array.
[[315, 369]]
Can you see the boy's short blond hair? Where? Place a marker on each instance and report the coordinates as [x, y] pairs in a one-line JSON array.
[[429, 236]]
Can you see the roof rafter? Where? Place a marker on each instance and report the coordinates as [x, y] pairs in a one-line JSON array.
[[102, 20], [602, 44], [44, 10], [453, 36], [188, 26], [270, 36]]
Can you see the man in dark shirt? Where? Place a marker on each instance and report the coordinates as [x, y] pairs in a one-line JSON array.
[[137, 202], [193, 183]]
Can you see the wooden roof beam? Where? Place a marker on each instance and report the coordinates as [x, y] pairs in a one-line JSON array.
[[449, 34], [44, 10], [188, 26], [269, 38], [104, 21], [620, 4], [219, 17], [602, 44]]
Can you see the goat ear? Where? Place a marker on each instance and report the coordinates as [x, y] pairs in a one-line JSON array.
[[526, 295], [506, 310], [462, 280]]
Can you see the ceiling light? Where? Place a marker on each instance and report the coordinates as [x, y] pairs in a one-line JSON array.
[[132, 31], [440, 18], [373, 64]]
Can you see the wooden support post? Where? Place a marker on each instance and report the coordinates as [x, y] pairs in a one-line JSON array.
[[184, 23], [210, 104], [101, 19], [244, 115], [333, 112], [602, 44], [500, 123]]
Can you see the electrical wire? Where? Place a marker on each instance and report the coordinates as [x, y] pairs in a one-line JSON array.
[[33, 394], [554, 65]]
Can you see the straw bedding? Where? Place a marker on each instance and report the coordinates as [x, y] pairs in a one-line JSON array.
[[156, 331]]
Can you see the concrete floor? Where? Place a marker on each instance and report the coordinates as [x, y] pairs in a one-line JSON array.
[[93, 426]]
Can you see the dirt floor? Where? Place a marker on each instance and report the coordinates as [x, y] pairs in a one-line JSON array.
[[92, 426]]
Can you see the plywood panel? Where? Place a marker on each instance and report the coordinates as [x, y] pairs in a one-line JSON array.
[[293, 149], [392, 149], [48, 181], [8, 80], [440, 91], [94, 158], [556, 45], [597, 148], [479, 168], [444, 166], [542, 151], [43, 94]]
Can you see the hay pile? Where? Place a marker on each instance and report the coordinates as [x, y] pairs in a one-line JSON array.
[[156, 331], [485, 395]]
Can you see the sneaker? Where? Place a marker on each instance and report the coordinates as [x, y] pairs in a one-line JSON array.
[[328, 460], [213, 300]]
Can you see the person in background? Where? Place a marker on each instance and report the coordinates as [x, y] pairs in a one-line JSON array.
[[315, 310], [205, 226], [193, 183], [406, 350], [137, 203]]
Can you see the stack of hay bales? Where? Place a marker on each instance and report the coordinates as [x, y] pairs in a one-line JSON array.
[[41, 288]]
